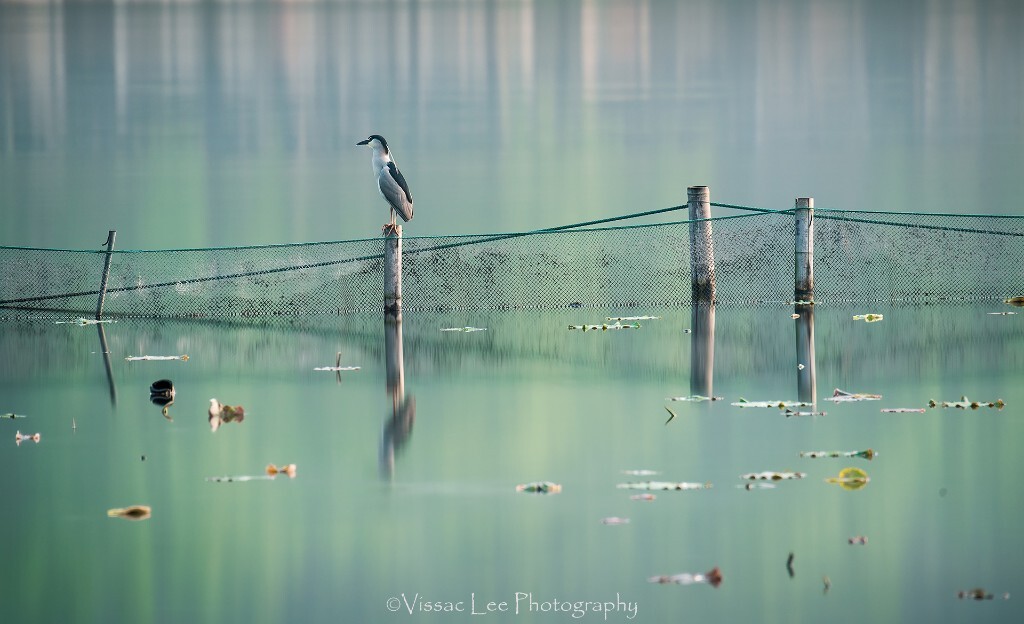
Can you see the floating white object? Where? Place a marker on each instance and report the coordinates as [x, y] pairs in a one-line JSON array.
[[155, 358], [464, 329]]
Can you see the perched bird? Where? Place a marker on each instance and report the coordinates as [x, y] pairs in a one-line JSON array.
[[390, 181]]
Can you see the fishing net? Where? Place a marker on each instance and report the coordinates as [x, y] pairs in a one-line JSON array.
[[859, 256]]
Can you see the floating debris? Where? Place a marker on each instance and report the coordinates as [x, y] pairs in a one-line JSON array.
[[288, 470], [794, 316], [713, 578], [850, 479], [135, 512], [155, 358], [859, 540], [12, 415], [19, 437], [221, 413], [790, 413], [965, 403], [687, 331], [671, 415], [842, 396], [978, 594], [827, 582], [773, 476], [902, 410], [614, 521], [606, 327], [240, 478], [640, 473], [756, 486], [633, 318], [82, 322], [868, 318], [779, 404], [1002, 313], [789, 566], [694, 398], [464, 329], [643, 497], [867, 454], [663, 485], [337, 369], [540, 487], [1015, 301]]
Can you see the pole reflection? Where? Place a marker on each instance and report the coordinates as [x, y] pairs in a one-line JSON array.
[[398, 427], [105, 350], [805, 383], [702, 349]]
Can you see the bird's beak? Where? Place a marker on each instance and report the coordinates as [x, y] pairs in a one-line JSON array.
[[363, 142]]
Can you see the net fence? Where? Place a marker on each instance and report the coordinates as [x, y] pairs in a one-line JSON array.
[[859, 256]]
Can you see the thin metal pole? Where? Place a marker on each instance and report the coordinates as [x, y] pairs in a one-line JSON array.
[[804, 258], [393, 275], [702, 249], [106, 273]]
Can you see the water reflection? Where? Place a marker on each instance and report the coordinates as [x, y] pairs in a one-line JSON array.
[[105, 350], [806, 388], [245, 107], [402, 409], [702, 349]]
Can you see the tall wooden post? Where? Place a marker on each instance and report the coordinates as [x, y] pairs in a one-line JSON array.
[[393, 275], [106, 273], [702, 249], [804, 258]]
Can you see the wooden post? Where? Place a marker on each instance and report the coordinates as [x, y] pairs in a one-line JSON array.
[[702, 250], [804, 259], [393, 275], [106, 273]]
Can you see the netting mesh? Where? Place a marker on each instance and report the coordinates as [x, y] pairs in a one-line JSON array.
[[858, 257]]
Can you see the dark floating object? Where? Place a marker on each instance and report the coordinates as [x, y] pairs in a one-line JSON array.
[[540, 487], [135, 512], [789, 566], [978, 594], [859, 540], [161, 393]]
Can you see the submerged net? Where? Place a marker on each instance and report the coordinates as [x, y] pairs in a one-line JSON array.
[[859, 256]]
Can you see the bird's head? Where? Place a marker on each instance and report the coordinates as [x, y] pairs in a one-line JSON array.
[[376, 142]]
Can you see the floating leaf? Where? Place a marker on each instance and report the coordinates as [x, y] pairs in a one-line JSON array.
[[842, 396], [713, 578], [868, 318], [135, 512], [779, 404], [773, 476], [965, 403], [694, 398], [663, 485], [540, 487], [868, 454], [850, 479]]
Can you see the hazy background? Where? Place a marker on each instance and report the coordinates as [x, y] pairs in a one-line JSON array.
[[189, 124]]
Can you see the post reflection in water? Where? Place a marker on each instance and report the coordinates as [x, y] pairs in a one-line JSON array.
[[402, 413], [702, 349], [105, 350], [805, 385]]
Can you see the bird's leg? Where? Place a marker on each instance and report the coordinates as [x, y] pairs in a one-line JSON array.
[[390, 226]]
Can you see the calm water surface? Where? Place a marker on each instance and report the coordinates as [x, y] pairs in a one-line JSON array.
[[421, 500], [184, 125]]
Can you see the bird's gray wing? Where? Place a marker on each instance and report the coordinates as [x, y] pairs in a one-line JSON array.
[[395, 189], [397, 175]]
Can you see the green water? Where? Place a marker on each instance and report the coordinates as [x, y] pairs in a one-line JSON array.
[[425, 504]]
